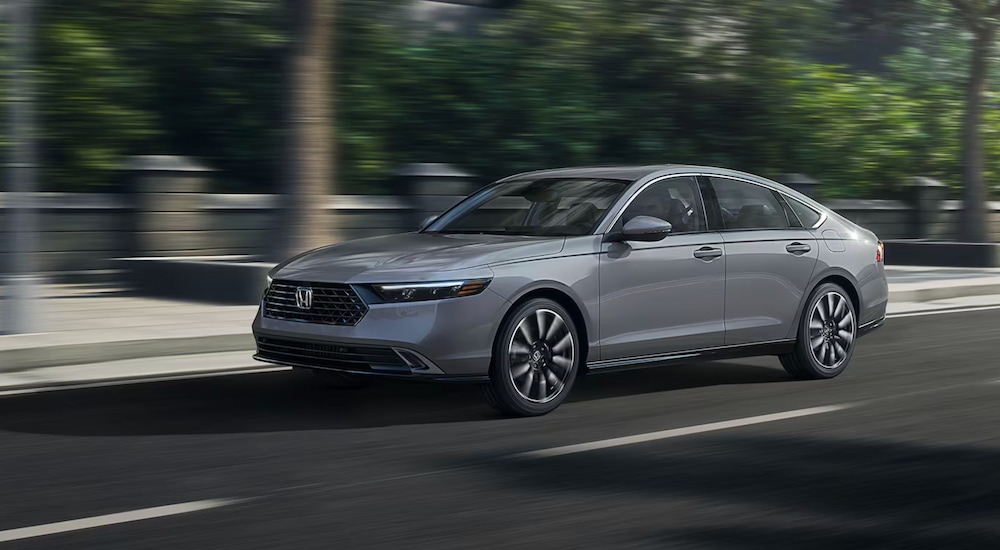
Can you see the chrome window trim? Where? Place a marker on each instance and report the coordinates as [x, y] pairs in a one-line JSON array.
[[822, 214]]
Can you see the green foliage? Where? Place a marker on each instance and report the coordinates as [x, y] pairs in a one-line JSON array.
[[565, 83], [190, 77], [551, 83]]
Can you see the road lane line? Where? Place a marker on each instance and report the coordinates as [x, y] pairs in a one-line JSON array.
[[941, 311], [679, 432], [112, 519]]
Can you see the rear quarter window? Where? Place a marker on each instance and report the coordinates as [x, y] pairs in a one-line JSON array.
[[806, 214]]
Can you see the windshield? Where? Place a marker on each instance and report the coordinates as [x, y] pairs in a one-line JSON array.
[[548, 206]]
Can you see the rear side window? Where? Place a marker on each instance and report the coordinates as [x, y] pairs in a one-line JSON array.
[[806, 215], [748, 206]]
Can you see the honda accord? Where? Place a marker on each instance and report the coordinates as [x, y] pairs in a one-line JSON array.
[[542, 277]]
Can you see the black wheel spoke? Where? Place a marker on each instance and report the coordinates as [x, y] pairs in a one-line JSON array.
[[541, 354], [831, 330]]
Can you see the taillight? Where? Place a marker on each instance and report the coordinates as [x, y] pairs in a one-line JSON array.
[[880, 253]]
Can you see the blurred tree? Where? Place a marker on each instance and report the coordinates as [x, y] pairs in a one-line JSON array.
[[980, 17], [549, 83], [582, 82], [311, 145], [189, 77]]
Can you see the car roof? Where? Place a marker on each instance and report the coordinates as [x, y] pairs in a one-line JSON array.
[[635, 173], [629, 173]]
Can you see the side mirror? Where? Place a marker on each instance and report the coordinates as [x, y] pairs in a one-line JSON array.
[[427, 221], [646, 229]]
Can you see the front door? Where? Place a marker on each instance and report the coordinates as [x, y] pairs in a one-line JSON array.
[[667, 296]]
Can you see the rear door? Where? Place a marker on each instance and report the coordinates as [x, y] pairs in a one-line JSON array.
[[769, 260]]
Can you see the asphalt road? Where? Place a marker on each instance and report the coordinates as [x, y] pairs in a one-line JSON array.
[[909, 458]]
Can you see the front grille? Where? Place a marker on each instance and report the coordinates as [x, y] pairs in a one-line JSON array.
[[332, 304], [329, 356]]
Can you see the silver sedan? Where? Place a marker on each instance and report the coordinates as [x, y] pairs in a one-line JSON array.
[[545, 276]]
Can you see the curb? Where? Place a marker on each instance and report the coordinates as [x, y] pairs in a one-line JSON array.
[[19, 359], [106, 381], [929, 294]]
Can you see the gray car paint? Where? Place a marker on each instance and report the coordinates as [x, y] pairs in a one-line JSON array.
[[657, 297], [765, 283], [413, 257], [631, 302]]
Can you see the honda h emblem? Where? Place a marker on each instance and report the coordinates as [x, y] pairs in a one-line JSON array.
[[304, 297]]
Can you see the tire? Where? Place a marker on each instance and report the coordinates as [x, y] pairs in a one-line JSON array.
[[531, 375], [828, 333], [337, 380]]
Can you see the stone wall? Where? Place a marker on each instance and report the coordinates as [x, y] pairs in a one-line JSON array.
[[83, 232]]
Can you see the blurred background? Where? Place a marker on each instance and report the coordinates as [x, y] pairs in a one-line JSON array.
[[160, 156], [240, 130]]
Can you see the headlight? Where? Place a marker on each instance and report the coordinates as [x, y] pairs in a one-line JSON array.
[[418, 292]]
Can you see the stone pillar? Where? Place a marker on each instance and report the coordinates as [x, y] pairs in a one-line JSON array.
[[431, 188], [803, 184], [166, 198], [925, 196]]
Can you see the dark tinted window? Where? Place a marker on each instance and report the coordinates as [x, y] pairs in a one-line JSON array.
[[549, 206], [676, 200], [748, 206], [806, 214]]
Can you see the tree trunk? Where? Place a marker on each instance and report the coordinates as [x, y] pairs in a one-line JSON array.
[[307, 221], [973, 223]]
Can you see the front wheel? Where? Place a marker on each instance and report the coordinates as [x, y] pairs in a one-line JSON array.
[[827, 332], [535, 359]]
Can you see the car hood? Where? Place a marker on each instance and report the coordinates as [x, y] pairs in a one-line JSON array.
[[412, 256]]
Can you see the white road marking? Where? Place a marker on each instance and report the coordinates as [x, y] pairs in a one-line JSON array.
[[941, 311], [140, 380], [112, 519], [678, 432]]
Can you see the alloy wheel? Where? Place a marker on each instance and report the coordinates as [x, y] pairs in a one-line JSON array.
[[541, 354], [831, 330]]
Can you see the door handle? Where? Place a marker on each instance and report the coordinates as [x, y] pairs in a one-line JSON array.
[[798, 248], [707, 253]]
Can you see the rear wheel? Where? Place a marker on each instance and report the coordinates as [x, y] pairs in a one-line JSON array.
[[827, 332], [535, 359]]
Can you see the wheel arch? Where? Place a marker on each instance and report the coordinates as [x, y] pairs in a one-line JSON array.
[[566, 298], [841, 278]]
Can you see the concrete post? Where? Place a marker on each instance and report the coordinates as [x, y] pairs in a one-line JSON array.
[[20, 288], [925, 196], [167, 218]]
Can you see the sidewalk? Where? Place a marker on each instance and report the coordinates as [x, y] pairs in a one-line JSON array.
[[95, 327], [90, 324], [925, 284]]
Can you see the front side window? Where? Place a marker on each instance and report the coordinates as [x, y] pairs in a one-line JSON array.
[[748, 206], [546, 206], [676, 200]]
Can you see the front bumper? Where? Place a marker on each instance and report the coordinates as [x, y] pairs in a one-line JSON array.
[[442, 339], [399, 375]]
